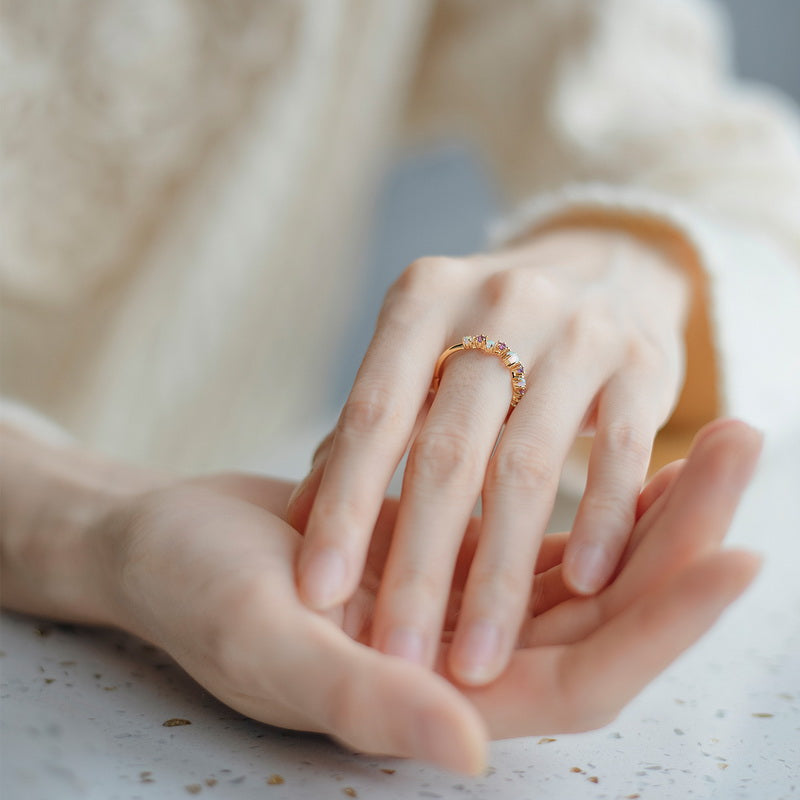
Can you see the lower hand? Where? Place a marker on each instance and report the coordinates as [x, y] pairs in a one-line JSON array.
[[205, 569]]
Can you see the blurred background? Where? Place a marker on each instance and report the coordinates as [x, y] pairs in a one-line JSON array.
[[440, 202]]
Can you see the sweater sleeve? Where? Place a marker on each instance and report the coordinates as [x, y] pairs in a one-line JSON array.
[[625, 112]]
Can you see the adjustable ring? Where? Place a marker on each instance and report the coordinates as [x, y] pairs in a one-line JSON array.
[[500, 349]]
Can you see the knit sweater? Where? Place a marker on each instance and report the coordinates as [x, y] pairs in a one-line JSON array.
[[184, 184]]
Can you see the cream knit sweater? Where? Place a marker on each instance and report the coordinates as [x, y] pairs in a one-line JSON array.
[[183, 182]]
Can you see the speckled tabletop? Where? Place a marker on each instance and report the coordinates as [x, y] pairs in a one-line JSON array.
[[83, 713]]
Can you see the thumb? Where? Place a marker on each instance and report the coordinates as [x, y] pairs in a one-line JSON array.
[[381, 704]]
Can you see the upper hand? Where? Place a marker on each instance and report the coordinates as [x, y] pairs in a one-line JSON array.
[[597, 319]]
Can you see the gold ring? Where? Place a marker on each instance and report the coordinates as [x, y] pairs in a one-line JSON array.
[[495, 348]]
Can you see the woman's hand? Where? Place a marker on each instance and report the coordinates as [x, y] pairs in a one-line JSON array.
[[597, 318], [205, 569], [207, 572], [579, 659]]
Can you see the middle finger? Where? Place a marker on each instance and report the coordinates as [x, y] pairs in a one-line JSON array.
[[442, 481]]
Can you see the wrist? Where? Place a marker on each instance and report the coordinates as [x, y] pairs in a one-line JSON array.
[[53, 544]]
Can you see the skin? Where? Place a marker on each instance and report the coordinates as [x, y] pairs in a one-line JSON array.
[[597, 317], [205, 569]]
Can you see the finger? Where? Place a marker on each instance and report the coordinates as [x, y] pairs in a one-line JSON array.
[[622, 661], [518, 497], [690, 519], [583, 686], [551, 551], [657, 486], [379, 704], [298, 508], [549, 590], [698, 508], [370, 439], [441, 484], [302, 672], [626, 426], [302, 500]]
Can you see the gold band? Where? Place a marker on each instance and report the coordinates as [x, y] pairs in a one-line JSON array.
[[492, 347]]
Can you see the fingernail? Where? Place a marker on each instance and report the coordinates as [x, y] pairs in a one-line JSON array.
[[323, 577], [477, 651], [589, 568], [406, 643]]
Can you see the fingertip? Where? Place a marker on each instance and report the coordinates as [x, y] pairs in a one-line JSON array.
[[744, 566], [476, 657], [587, 568], [458, 743], [750, 440]]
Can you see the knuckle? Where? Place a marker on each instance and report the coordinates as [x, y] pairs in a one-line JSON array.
[[590, 332], [522, 466], [368, 411], [512, 287], [503, 585], [339, 514], [443, 458], [624, 440], [428, 275], [414, 579]]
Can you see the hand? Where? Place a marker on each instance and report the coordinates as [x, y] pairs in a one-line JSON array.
[[579, 660], [207, 573], [205, 569], [597, 318]]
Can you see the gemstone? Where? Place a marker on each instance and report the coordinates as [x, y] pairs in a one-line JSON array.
[[481, 339], [501, 346], [490, 344], [467, 341], [512, 358], [519, 382]]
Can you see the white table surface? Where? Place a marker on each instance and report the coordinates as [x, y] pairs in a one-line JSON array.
[[83, 713]]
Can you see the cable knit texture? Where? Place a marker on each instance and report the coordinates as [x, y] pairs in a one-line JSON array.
[[182, 183]]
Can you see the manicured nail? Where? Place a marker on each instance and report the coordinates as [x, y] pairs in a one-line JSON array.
[[590, 568], [323, 578], [406, 643], [477, 651]]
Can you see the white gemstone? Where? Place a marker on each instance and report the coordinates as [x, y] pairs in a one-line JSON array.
[[520, 382], [512, 358], [489, 344]]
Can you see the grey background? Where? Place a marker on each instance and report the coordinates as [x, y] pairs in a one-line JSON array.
[[440, 202]]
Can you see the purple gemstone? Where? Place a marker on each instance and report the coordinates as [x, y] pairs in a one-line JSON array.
[[501, 346], [482, 339]]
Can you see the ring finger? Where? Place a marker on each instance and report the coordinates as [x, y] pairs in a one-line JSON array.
[[518, 498]]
